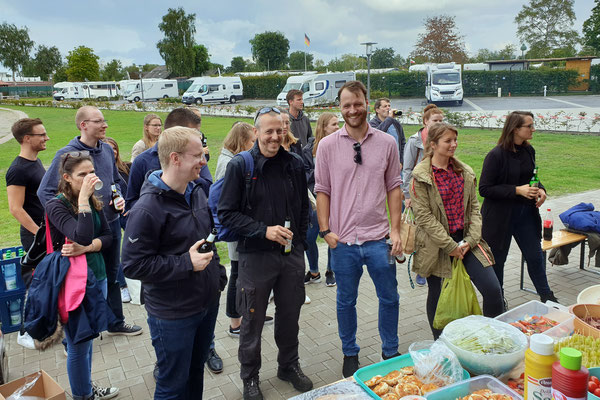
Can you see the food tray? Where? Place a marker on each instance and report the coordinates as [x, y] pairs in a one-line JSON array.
[[594, 372], [550, 310], [383, 368], [464, 388]]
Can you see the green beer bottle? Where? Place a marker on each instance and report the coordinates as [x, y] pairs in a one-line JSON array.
[[535, 181]]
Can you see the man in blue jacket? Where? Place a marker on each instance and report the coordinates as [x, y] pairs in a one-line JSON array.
[[90, 121], [181, 285]]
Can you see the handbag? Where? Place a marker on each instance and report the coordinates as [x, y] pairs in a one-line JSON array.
[[457, 298], [407, 230]]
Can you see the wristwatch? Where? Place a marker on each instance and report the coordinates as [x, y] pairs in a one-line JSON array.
[[324, 233]]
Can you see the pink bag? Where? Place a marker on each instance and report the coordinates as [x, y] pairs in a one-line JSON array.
[[73, 289]]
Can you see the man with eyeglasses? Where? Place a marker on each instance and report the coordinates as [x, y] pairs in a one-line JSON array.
[[23, 178], [356, 169], [92, 125], [277, 198]]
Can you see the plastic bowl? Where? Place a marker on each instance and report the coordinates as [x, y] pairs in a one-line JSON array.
[[581, 311], [594, 372], [487, 364], [590, 295]]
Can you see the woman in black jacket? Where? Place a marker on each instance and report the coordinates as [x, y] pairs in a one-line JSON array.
[[511, 207]]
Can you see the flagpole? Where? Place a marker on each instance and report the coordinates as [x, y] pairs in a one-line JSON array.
[[305, 60]]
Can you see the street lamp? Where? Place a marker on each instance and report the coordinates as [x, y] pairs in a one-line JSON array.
[[369, 51], [142, 87], [523, 48]]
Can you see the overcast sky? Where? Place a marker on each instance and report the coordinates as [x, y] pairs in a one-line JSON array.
[[128, 30]]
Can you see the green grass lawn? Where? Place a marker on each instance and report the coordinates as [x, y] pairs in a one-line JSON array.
[[567, 163]]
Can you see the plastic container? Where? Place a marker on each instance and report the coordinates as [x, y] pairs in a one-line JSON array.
[[548, 224], [550, 310], [10, 270], [569, 378], [538, 367], [464, 388], [383, 368], [581, 311], [594, 372], [11, 310], [590, 295]]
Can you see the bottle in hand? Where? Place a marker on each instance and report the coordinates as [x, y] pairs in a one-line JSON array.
[[115, 196], [534, 181], [208, 244], [287, 249], [548, 224]]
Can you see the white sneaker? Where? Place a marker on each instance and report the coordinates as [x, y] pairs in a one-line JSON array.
[[306, 299], [26, 341], [271, 296], [125, 296]]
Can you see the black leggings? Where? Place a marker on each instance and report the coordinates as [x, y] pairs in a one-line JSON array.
[[484, 279], [231, 305]]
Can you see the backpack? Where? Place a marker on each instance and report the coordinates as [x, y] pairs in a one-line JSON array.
[[225, 234]]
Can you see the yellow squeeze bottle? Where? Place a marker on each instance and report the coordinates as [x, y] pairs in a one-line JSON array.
[[539, 358]]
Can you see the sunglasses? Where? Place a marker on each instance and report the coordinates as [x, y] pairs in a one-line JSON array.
[[266, 110], [83, 153], [358, 155]]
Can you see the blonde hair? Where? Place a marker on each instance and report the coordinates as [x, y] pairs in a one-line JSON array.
[[82, 114], [148, 140], [436, 131], [174, 140], [320, 130], [238, 136], [289, 139]]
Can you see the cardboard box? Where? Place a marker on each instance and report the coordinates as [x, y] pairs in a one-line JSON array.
[[45, 387]]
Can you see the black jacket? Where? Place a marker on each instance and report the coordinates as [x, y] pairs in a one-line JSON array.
[[309, 164], [301, 128], [161, 228], [384, 126], [500, 176], [278, 190]]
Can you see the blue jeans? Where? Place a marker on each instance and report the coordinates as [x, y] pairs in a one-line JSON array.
[[181, 347], [79, 368], [112, 260], [312, 250], [347, 262], [523, 226]]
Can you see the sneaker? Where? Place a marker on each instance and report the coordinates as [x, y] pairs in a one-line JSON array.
[[234, 332], [214, 362], [421, 281], [296, 377], [104, 392], [548, 297], [306, 299], [384, 357], [268, 320], [330, 279], [126, 330], [125, 296], [26, 341], [251, 389], [350, 366], [310, 278], [271, 297]]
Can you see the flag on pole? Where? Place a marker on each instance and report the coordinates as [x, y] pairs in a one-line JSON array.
[[412, 61], [306, 40]]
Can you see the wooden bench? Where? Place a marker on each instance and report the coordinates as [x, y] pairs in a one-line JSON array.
[[559, 238]]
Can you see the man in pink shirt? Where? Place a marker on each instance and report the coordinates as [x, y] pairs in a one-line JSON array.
[[356, 168]]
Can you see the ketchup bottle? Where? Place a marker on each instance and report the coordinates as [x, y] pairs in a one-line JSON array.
[[569, 378]]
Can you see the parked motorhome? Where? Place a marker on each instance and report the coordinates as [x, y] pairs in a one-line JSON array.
[[153, 89], [84, 90], [444, 83], [220, 89], [317, 89]]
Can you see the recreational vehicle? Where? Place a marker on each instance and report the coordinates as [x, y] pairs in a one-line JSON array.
[[84, 90], [69, 91], [219, 89], [317, 89], [444, 83], [153, 89]]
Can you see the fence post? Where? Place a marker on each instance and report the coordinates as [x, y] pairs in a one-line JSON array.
[[499, 92]]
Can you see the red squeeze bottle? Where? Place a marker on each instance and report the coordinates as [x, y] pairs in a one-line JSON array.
[[569, 378]]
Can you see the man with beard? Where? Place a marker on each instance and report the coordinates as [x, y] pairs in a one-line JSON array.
[[356, 168]]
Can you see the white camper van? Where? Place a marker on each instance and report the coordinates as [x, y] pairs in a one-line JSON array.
[[444, 83], [85, 90], [317, 89], [219, 89], [69, 91], [154, 89]]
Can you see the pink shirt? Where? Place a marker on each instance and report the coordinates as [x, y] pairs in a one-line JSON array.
[[357, 193]]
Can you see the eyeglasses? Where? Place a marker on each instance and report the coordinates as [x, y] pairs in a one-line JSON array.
[[97, 121], [83, 153], [37, 134], [358, 155], [266, 110], [530, 126], [196, 157]]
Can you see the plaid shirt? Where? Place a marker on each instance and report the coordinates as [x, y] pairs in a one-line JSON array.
[[451, 187]]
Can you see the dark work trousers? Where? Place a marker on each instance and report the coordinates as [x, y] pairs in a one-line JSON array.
[[484, 279], [112, 260], [231, 306], [259, 273]]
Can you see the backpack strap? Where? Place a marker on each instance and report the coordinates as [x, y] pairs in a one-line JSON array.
[[248, 174]]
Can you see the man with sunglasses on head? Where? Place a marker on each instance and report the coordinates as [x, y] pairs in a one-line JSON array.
[[92, 125], [356, 168], [277, 197]]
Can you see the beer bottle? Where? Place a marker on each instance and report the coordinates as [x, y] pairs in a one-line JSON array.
[[208, 244], [287, 249], [534, 181], [115, 196]]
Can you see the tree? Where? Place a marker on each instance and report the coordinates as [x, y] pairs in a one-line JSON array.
[[238, 64], [47, 60], [177, 47], [296, 60], [82, 64], [112, 71], [441, 42], [15, 46], [61, 74], [546, 25], [270, 49], [347, 62], [201, 60], [591, 29], [383, 58]]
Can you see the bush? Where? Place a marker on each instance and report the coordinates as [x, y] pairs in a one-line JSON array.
[[263, 87]]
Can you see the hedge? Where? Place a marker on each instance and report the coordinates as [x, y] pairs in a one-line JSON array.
[[263, 87]]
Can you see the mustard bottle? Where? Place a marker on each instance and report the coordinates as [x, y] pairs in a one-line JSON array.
[[539, 358]]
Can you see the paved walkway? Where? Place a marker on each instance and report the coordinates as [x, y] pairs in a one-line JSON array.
[[127, 362], [7, 118]]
